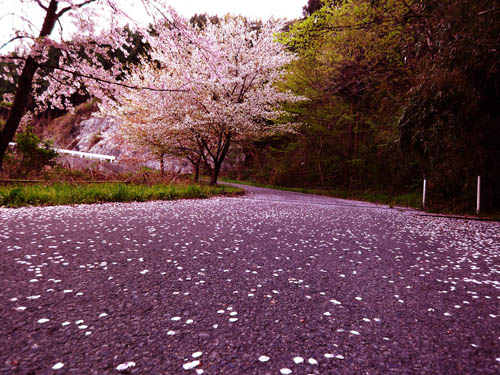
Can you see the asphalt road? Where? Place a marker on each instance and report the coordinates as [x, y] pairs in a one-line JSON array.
[[268, 283]]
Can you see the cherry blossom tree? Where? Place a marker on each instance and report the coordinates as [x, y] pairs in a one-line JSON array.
[[85, 62], [160, 141], [227, 78]]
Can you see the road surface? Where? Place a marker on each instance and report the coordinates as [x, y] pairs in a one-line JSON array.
[[268, 283]]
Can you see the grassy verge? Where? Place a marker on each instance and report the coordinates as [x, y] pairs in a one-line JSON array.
[[412, 200], [65, 193]]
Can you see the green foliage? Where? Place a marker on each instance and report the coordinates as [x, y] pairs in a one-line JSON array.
[[34, 154], [352, 69], [59, 194], [397, 89]]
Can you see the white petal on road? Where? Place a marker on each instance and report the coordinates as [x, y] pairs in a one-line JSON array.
[[196, 354], [312, 361], [285, 371], [125, 366], [57, 366], [298, 360], [190, 365], [264, 358], [43, 320]]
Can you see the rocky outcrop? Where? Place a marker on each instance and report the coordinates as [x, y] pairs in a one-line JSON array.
[[100, 135]]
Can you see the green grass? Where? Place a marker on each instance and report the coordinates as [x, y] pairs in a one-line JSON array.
[[407, 200], [65, 193]]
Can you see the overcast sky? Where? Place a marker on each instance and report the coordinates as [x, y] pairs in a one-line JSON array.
[[251, 8]]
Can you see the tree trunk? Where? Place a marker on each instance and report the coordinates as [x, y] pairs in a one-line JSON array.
[[196, 177], [218, 161], [240, 152], [348, 156], [162, 165], [196, 166], [319, 152], [321, 174], [255, 155], [215, 173], [24, 87]]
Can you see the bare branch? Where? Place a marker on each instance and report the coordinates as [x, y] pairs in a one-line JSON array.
[[41, 5], [97, 79], [15, 38], [21, 17], [67, 9], [411, 9], [489, 11], [61, 28]]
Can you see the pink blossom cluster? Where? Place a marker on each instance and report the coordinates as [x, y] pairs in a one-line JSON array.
[[213, 87]]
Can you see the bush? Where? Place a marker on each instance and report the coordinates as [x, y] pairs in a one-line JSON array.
[[34, 154]]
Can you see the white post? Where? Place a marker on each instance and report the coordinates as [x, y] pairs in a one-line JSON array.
[[424, 193], [478, 205]]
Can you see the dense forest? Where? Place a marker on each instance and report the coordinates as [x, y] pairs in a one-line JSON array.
[[396, 90]]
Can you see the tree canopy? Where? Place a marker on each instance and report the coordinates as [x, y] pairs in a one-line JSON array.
[[228, 92]]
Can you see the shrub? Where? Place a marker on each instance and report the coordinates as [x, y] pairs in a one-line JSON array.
[[34, 154]]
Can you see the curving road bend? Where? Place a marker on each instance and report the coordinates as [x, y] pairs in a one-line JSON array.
[[268, 283]]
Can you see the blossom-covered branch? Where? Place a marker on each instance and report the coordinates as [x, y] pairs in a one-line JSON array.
[[229, 75]]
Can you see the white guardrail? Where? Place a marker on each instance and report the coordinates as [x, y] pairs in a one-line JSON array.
[[83, 155]]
